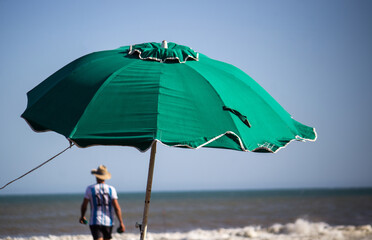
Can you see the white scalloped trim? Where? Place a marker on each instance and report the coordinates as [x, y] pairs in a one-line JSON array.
[[131, 51], [265, 146], [268, 147]]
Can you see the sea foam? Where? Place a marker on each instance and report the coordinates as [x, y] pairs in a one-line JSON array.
[[300, 229]]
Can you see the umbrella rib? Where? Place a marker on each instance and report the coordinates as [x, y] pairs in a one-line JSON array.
[[100, 89], [223, 104], [293, 129], [61, 79], [39, 98]]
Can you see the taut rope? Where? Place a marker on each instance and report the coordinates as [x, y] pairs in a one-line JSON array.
[[50, 159]]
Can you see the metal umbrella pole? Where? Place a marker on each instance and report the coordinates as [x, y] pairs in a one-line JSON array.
[[143, 226]]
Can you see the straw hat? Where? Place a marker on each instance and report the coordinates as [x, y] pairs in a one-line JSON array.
[[101, 173]]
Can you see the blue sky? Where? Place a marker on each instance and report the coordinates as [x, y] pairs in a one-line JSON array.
[[313, 57]]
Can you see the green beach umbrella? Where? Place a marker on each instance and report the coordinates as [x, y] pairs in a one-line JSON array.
[[146, 93]]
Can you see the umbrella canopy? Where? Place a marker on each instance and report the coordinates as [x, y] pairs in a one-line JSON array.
[[134, 95]]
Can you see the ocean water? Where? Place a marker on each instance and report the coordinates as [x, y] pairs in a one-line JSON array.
[[213, 215]]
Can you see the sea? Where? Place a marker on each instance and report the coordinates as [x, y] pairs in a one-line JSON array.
[[206, 215]]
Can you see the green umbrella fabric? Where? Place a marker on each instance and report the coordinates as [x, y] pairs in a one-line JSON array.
[[136, 94]]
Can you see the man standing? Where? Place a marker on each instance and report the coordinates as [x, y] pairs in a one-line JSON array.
[[103, 201]]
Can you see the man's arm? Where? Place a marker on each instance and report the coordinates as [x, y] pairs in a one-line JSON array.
[[83, 209], [117, 208]]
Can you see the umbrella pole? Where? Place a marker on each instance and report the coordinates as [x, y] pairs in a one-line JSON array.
[[143, 227]]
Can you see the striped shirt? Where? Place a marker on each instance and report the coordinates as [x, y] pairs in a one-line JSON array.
[[100, 196]]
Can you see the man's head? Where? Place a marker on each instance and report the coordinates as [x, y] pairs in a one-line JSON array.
[[101, 173]]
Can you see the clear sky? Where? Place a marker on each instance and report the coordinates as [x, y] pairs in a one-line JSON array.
[[313, 57]]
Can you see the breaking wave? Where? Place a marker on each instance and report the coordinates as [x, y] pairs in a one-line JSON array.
[[300, 229]]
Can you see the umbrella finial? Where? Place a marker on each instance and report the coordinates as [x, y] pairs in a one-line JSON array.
[[164, 44]]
